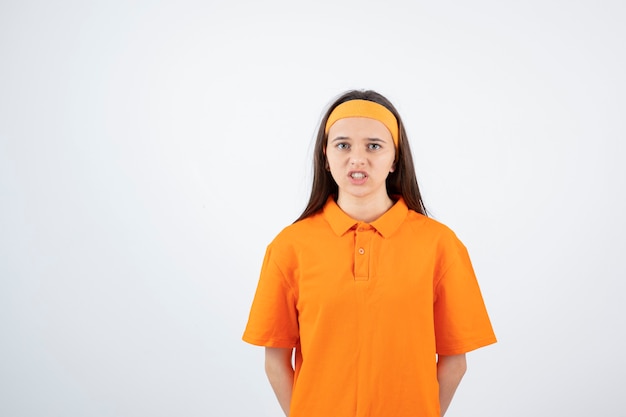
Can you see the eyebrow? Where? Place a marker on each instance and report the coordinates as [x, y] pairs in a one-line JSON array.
[[338, 138]]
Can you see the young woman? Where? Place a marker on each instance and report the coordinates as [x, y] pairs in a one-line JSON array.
[[379, 302]]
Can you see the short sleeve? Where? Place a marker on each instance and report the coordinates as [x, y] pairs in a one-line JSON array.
[[273, 320], [461, 320]]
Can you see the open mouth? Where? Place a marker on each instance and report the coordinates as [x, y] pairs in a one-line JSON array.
[[357, 175]]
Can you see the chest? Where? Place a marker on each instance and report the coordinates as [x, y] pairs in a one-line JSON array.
[[362, 267]]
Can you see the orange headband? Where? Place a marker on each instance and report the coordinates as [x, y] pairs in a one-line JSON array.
[[365, 108]]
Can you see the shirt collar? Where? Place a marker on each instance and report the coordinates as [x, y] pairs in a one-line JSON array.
[[386, 224], [389, 222]]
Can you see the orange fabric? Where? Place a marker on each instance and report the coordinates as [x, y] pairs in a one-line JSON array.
[[367, 307], [368, 109]]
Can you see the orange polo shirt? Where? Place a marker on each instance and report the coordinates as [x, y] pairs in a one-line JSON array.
[[367, 307]]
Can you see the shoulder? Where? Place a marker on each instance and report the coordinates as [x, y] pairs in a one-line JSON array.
[[427, 225], [435, 235], [289, 245], [299, 232]]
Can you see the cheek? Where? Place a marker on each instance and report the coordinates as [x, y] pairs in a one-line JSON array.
[[333, 160], [388, 163], [334, 167]]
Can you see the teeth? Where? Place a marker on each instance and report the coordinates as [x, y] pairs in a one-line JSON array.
[[358, 175]]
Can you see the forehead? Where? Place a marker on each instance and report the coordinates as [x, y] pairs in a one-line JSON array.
[[358, 128]]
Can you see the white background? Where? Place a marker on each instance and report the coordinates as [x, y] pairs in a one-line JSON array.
[[149, 151]]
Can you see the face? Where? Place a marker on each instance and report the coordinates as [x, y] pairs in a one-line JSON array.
[[360, 154]]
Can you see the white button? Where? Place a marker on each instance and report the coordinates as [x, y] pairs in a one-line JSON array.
[[361, 251]]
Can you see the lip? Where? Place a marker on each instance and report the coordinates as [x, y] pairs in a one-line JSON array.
[[357, 181]]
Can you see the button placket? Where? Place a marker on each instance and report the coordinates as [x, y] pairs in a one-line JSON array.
[[362, 253]]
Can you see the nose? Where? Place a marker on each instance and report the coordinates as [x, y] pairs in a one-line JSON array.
[[357, 158]]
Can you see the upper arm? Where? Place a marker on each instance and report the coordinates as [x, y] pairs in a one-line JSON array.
[[453, 362], [275, 356]]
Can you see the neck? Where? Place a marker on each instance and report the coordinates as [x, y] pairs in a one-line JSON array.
[[364, 209]]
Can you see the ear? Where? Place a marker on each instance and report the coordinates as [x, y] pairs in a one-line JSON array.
[[393, 168]]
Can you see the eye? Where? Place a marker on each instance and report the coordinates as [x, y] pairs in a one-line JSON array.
[[342, 145], [373, 146]]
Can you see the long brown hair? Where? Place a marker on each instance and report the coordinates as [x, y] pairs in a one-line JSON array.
[[402, 181]]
